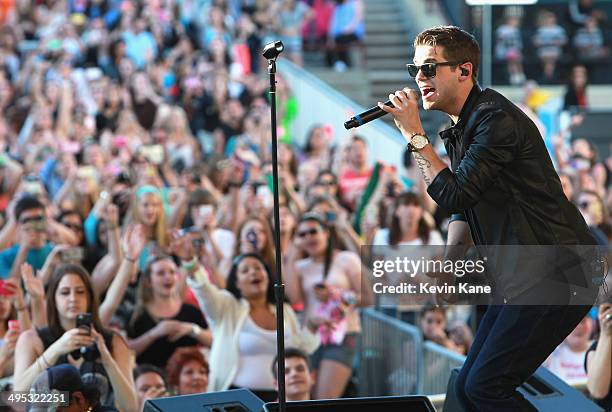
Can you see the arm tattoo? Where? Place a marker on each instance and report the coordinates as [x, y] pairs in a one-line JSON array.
[[423, 164]]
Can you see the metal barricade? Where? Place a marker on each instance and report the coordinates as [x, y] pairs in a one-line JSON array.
[[390, 356], [438, 363]]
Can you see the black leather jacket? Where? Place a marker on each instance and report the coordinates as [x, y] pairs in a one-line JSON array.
[[503, 182]]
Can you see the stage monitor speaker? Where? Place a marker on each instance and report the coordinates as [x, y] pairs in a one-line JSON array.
[[545, 390], [237, 400], [374, 404]]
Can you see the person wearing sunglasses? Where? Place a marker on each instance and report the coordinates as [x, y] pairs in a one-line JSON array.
[[594, 211], [318, 282], [32, 244], [503, 190]]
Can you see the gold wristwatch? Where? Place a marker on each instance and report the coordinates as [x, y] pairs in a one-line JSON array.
[[417, 142]]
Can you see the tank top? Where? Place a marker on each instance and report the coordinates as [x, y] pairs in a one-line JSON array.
[[92, 372]]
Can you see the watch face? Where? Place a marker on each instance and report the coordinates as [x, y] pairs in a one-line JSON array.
[[419, 141]]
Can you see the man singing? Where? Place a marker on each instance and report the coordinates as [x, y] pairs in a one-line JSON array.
[[502, 190]]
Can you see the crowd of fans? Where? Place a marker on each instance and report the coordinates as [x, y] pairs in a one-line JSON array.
[[136, 206], [576, 33]]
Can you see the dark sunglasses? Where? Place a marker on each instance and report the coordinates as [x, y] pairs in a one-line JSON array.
[[73, 226], [327, 182], [311, 232], [428, 69], [25, 220]]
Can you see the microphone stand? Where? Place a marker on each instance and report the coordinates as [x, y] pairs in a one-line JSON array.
[[271, 52]]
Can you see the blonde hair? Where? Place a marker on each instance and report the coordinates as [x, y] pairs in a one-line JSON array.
[[160, 230]]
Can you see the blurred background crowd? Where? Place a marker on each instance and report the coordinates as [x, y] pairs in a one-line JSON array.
[[135, 186], [544, 43]]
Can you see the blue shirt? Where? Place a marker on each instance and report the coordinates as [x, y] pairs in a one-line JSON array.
[[138, 46], [35, 257], [48, 175], [343, 16]]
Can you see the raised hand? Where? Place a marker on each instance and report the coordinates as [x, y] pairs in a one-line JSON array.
[[133, 241], [111, 215], [56, 252], [33, 285], [14, 286], [605, 319]]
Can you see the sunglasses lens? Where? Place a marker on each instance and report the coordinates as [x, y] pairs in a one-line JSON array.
[[412, 69], [310, 232], [429, 70]]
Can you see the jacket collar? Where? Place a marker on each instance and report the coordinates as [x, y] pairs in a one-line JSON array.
[[469, 104]]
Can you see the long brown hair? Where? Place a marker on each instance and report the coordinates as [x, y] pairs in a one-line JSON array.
[[93, 305], [144, 293], [395, 232], [331, 239]]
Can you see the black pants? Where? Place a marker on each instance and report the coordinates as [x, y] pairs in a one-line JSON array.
[[512, 341], [340, 51]]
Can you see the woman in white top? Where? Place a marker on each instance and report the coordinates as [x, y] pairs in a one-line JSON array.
[[409, 227], [324, 275], [243, 321]]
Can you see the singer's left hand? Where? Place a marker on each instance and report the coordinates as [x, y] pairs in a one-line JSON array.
[[406, 112]]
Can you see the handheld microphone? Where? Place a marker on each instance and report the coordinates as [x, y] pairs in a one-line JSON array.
[[372, 113]]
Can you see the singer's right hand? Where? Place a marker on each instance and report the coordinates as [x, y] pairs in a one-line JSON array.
[[405, 112]]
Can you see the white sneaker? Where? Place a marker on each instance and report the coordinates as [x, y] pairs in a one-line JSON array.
[[517, 79], [340, 66]]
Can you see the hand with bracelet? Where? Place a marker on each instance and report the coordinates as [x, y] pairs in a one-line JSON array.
[[175, 329], [185, 329]]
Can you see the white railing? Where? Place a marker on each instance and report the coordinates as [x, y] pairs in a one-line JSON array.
[[394, 360]]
